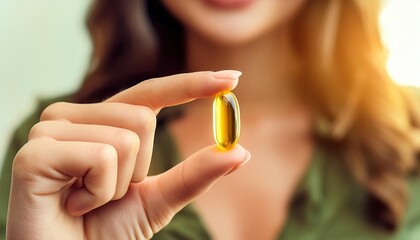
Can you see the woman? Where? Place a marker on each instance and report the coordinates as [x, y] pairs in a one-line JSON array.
[[333, 139]]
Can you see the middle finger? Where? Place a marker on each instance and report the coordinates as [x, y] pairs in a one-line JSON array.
[[125, 142]]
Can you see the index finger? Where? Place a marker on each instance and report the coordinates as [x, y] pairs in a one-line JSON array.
[[158, 93]]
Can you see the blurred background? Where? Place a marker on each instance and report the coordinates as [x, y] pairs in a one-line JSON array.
[[44, 51]]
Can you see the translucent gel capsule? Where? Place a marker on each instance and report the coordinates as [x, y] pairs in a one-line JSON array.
[[226, 120]]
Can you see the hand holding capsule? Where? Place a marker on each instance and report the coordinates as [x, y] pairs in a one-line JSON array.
[[82, 156]]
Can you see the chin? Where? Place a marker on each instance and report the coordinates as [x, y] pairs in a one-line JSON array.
[[228, 36], [232, 21]]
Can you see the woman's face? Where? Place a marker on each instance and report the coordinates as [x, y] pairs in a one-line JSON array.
[[233, 21]]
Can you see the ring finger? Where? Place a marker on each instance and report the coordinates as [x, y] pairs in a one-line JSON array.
[[125, 142]]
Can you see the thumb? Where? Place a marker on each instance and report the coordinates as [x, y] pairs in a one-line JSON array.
[[183, 183]]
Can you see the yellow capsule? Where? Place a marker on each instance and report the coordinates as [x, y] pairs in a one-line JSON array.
[[226, 120]]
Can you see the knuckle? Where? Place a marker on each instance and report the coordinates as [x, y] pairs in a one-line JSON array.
[[139, 177], [120, 193], [106, 162], [23, 156], [38, 130], [28, 158], [149, 118], [105, 194], [145, 118], [148, 82], [52, 110], [20, 164], [105, 154], [128, 141]]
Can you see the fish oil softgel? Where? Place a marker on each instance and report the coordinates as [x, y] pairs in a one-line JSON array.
[[226, 120]]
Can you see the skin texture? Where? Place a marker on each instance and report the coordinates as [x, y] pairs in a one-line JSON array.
[[82, 173], [84, 166], [276, 126]]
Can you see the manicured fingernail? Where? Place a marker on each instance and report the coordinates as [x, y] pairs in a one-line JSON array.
[[227, 74], [246, 159]]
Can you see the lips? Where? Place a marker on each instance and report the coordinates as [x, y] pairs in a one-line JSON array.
[[229, 4]]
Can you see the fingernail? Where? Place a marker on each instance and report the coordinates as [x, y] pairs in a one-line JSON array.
[[227, 74], [246, 159], [77, 210]]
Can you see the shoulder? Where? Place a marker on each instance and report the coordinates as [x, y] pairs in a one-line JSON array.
[[23, 129], [20, 135], [412, 216], [411, 221]]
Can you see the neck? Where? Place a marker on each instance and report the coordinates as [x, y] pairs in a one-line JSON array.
[[268, 63]]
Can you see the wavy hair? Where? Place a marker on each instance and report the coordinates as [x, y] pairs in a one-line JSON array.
[[362, 111]]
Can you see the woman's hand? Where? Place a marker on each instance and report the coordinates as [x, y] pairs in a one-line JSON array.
[[82, 174]]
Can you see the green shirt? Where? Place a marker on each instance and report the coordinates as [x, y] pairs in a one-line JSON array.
[[327, 205]]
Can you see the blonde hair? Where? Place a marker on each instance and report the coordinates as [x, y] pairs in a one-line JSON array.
[[371, 119]]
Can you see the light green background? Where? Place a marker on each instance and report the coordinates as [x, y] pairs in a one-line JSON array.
[[44, 49]]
